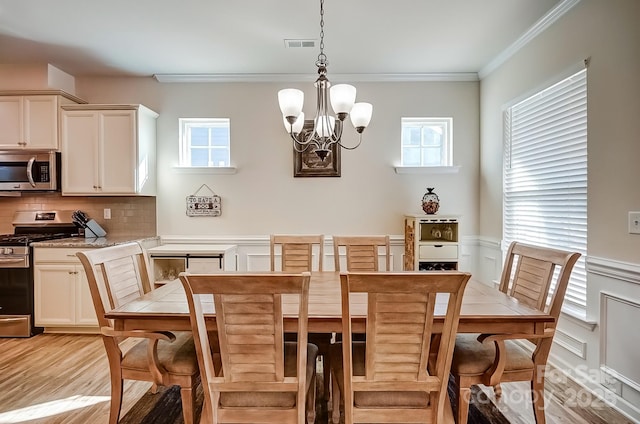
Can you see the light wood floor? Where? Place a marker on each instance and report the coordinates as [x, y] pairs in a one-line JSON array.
[[58, 379], [65, 379]]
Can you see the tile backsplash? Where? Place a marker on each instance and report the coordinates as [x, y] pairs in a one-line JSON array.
[[129, 215]]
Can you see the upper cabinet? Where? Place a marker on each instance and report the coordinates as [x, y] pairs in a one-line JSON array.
[[108, 150], [29, 120]]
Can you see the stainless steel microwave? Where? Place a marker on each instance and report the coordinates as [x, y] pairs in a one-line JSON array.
[[29, 171]]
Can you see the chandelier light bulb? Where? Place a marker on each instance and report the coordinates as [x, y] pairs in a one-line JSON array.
[[325, 125], [291, 101], [343, 96], [361, 115]]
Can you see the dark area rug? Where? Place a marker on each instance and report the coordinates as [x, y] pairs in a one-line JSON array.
[[481, 409], [165, 407]]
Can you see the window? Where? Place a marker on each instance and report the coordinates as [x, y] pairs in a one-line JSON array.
[[545, 175], [426, 142], [205, 142]]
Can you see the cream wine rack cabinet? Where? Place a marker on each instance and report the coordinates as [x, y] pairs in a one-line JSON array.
[[430, 242]]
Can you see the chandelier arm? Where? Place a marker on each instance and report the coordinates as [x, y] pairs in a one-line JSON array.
[[304, 144], [339, 143], [337, 134]]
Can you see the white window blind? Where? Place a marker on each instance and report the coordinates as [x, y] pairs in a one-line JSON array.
[[545, 175]]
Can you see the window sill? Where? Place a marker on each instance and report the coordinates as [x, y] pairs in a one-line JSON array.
[[427, 169], [218, 170]]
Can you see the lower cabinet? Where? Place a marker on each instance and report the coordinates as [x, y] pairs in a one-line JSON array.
[[62, 296]]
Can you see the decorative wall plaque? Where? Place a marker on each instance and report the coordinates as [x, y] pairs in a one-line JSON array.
[[204, 205]]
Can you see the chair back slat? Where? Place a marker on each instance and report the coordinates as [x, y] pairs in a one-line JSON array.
[[251, 350], [296, 252], [529, 272], [124, 279], [362, 252]]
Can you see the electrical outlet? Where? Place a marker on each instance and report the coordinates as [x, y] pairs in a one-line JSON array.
[[634, 222], [107, 213]]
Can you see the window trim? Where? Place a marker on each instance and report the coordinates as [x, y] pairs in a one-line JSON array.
[[185, 146], [447, 123], [453, 169]]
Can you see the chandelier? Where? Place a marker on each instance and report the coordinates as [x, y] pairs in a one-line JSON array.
[[327, 130]]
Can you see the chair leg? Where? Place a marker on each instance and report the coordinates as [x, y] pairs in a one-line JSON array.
[[311, 401], [464, 396], [537, 397], [116, 399], [336, 397], [326, 374], [188, 397], [497, 390], [205, 416]]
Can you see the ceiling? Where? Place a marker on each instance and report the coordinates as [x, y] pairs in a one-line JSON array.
[[246, 37]]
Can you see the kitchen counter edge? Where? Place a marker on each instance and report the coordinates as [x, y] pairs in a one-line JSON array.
[[87, 242]]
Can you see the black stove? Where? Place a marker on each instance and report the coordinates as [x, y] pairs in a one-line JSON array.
[[16, 267], [25, 239]]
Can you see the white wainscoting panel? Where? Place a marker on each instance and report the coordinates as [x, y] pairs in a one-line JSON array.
[[619, 338]]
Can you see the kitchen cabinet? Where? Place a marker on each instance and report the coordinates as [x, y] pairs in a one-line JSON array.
[[169, 260], [108, 150], [31, 121], [62, 296], [430, 242]]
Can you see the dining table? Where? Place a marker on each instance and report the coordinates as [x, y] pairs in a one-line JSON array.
[[484, 309]]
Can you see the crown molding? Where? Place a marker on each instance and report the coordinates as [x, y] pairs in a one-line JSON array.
[[403, 77], [542, 24]]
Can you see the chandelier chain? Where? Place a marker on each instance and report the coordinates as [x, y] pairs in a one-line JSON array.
[[322, 58]]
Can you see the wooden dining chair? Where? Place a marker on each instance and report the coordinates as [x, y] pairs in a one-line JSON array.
[[400, 374], [116, 275], [362, 252], [296, 252], [491, 359], [261, 378]]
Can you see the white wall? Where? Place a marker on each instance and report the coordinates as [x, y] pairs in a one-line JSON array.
[[263, 197], [608, 33]]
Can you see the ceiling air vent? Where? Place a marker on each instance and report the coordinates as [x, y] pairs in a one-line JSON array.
[[294, 44]]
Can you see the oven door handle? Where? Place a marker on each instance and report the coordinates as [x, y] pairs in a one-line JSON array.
[[22, 261], [10, 320], [30, 171]]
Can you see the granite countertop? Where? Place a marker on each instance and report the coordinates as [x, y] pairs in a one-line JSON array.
[[81, 242]]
